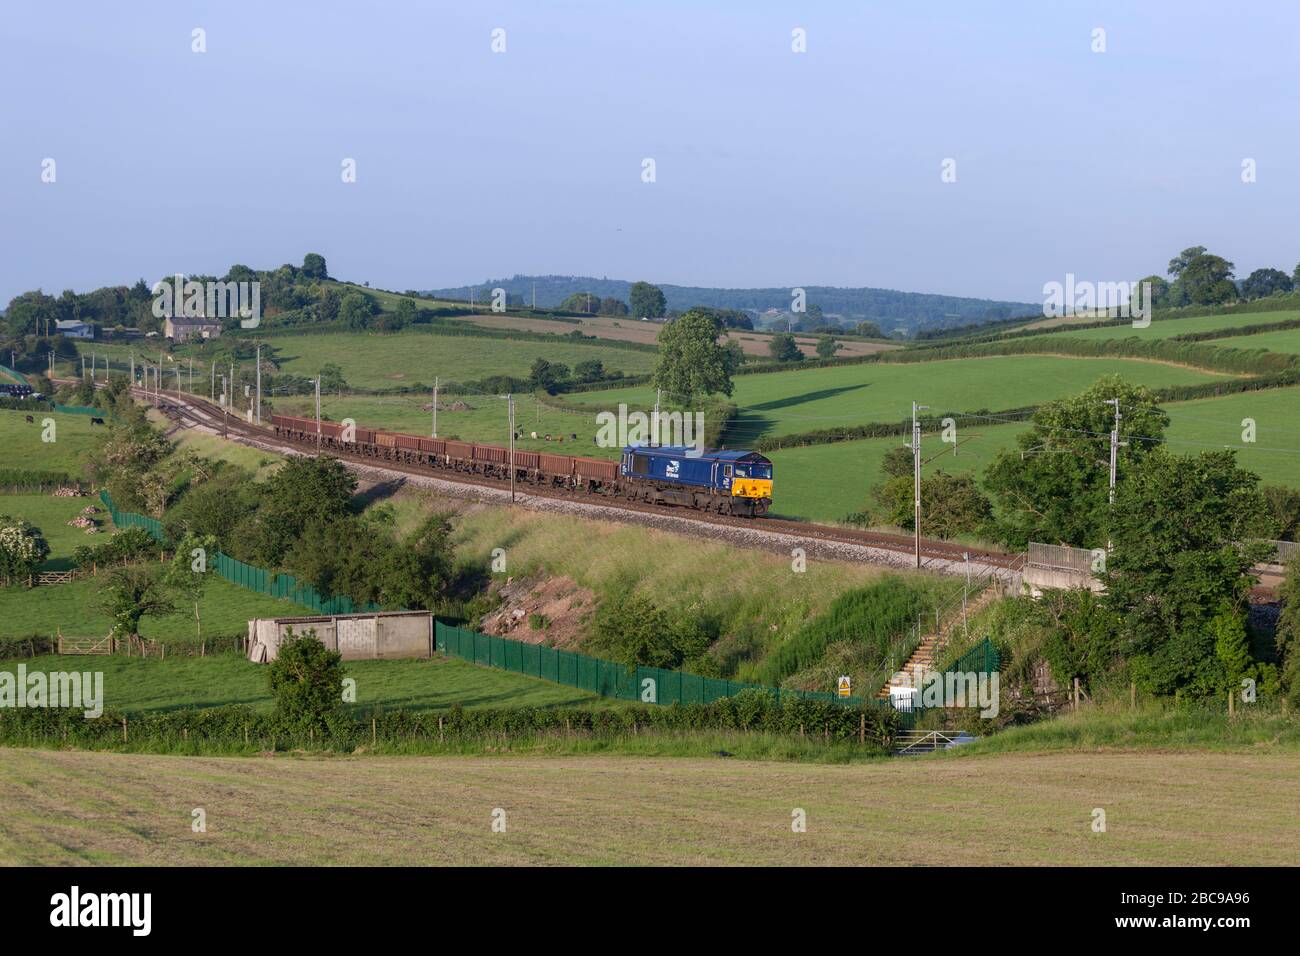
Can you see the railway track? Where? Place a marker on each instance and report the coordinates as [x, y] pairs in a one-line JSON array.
[[192, 411]]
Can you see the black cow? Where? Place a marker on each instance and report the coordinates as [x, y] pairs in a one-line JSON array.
[[30, 420], [97, 421]]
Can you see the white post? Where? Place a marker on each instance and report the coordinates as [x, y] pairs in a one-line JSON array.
[[318, 413], [435, 408], [510, 409], [259, 383]]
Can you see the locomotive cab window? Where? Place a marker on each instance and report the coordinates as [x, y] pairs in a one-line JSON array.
[[742, 471], [726, 470], [640, 464]]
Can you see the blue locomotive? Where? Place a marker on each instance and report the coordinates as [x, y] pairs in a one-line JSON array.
[[728, 482]]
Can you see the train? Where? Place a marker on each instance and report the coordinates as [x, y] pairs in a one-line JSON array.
[[724, 482]]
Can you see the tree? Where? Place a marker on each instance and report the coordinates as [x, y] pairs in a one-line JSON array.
[[868, 330], [306, 680], [1054, 486], [356, 310], [547, 375], [592, 370], [1283, 506], [646, 301], [783, 348], [1265, 282], [22, 549], [582, 302], [300, 493], [691, 365], [1179, 560], [1159, 291], [1288, 631], [403, 314], [131, 593], [827, 347], [188, 572], [313, 266], [951, 505], [612, 306], [1201, 277], [634, 631]]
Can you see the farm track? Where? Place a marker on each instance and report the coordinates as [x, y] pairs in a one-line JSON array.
[[842, 543]]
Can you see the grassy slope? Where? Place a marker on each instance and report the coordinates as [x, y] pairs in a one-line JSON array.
[[23, 447], [52, 515], [1285, 341], [405, 358], [1162, 808], [785, 402], [1123, 328], [133, 684]]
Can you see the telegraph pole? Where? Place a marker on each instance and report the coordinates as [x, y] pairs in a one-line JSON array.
[[133, 367], [318, 413], [225, 407], [916, 481], [510, 409], [1114, 447], [212, 387], [434, 433], [654, 435], [259, 383]]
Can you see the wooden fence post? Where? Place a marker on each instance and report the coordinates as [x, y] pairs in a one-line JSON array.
[[374, 731], [862, 728], [1132, 695], [1231, 705], [123, 728]]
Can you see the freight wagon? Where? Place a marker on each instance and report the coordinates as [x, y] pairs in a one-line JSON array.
[[726, 482]]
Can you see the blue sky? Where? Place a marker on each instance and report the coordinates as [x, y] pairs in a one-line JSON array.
[[773, 168]]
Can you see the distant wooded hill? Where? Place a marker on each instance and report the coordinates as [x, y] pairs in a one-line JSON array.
[[894, 312]]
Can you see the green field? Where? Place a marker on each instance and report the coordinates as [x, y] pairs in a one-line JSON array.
[[1201, 809], [23, 447], [781, 403], [134, 684], [405, 358], [485, 420], [1287, 340], [73, 609], [52, 515], [1166, 328]]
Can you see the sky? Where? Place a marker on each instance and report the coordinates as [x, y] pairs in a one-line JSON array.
[[771, 167]]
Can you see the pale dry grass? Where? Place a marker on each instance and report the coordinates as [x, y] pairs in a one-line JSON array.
[[1162, 808]]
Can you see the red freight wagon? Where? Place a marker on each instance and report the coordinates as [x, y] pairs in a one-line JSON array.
[[433, 446], [459, 450], [365, 436], [386, 439], [526, 459], [596, 468], [491, 453], [327, 429], [556, 464], [409, 442]]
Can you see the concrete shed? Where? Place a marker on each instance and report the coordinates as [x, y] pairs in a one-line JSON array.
[[380, 635]]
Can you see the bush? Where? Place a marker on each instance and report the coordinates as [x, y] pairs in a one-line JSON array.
[[307, 681]]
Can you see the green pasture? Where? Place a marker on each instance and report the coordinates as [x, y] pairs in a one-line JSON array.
[[485, 420], [52, 515], [780, 403], [134, 684], [1287, 340], [22, 445], [1166, 328], [376, 360]]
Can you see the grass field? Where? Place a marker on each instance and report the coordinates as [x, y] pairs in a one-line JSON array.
[[74, 610], [1123, 328], [133, 684], [780, 403], [405, 358], [1284, 341], [23, 447], [52, 515], [1036, 809], [485, 420]]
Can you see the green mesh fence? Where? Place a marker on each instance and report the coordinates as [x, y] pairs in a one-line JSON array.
[[983, 658], [246, 575], [649, 685]]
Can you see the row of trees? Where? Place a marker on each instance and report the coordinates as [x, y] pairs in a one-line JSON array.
[[1199, 277]]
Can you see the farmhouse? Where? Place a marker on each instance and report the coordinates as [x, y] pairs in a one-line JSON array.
[[181, 329], [75, 328]]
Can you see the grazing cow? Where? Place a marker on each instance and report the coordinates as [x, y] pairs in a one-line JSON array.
[[30, 420], [97, 421]]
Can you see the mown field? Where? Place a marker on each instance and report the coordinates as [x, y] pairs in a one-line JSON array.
[[1284, 341], [134, 685], [781, 403], [23, 447], [1194, 809], [1123, 328], [405, 358]]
